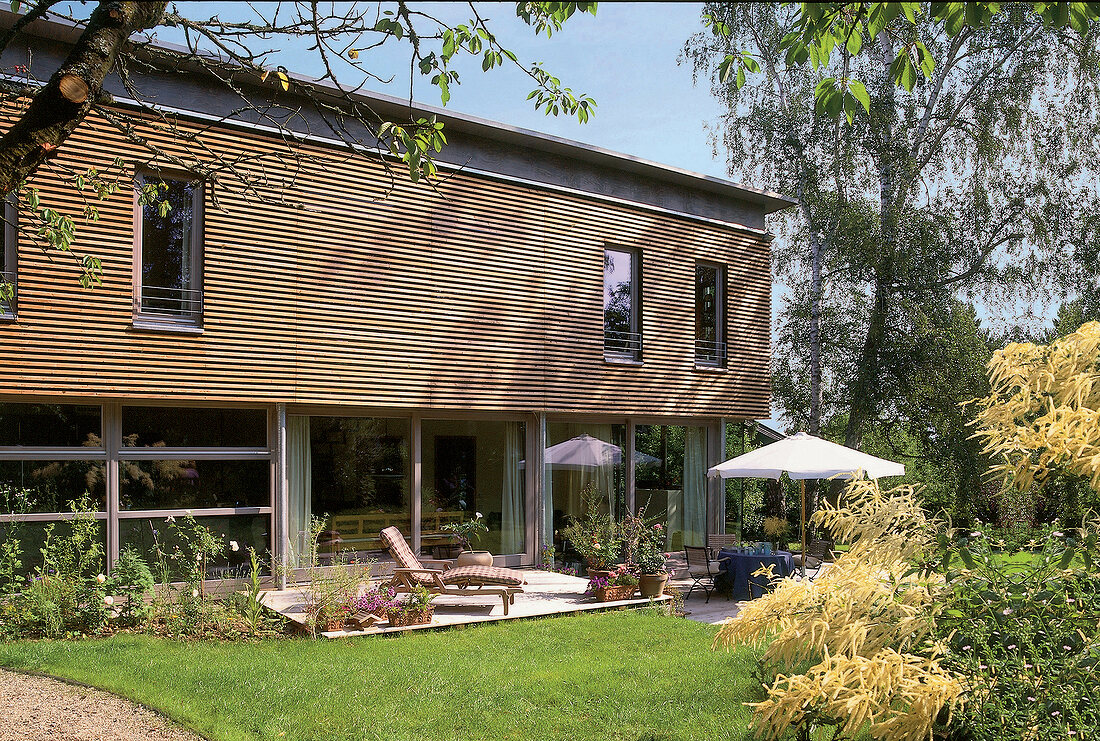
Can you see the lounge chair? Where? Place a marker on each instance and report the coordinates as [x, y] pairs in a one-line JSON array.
[[462, 580]]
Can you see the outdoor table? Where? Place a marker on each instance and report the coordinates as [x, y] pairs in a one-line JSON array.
[[736, 570]]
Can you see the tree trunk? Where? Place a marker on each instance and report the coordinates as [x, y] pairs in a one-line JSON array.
[[59, 107]]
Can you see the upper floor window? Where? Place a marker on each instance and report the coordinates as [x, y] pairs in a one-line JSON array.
[[8, 272], [168, 250], [710, 313], [621, 305]]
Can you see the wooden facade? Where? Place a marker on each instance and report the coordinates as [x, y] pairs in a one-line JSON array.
[[479, 294]]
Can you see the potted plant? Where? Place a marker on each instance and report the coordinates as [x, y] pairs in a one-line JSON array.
[[467, 532], [775, 529], [415, 609], [650, 561], [620, 584], [594, 536]]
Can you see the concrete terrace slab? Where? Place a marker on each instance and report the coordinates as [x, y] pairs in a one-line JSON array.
[[546, 593]]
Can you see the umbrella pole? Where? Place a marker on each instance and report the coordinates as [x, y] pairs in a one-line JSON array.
[[802, 484]]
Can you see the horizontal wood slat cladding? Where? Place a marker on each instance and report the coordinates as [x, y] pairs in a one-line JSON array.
[[483, 294]]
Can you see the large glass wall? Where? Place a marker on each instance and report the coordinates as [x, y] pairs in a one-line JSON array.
[[671, 480], [51, 460], [213, 463], [354, 473], [469, 467], [579, 455]]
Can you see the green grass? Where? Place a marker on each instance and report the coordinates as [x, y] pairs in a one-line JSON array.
[[622, 675]]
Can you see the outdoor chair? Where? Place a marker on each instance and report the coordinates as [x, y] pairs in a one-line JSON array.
[[718, 541], [463, 580], [702, 570], [818, 552]]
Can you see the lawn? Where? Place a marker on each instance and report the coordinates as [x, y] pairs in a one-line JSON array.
[[623, 675]]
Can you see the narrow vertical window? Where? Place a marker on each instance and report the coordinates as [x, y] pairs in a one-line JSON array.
[[8, 272], [621, 309], [168, 275], [710, 312]]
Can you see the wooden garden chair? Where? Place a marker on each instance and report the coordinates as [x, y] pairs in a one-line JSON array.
[[818, 553], [462, 580]]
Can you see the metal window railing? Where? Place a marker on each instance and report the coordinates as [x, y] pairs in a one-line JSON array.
[[177, 303], [627, 344], [710, 353], [8, 277]]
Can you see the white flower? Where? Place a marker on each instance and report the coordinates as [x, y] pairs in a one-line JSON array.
[[1057, 533], [169, 518], [188, 512], [100, 579], [194, 593], [975, 535], [233, 546], [108, 600], [478, 515]]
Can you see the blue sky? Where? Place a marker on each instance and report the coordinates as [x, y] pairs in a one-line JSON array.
[[625, 57]]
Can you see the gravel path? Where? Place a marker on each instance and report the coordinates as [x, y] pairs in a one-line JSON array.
[[39, 708]]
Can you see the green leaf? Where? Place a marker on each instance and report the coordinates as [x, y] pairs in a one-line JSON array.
[[740, 77], [855, 42], [725, 69], [859, 92]]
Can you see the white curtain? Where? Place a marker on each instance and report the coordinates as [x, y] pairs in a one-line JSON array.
[[300, 487], [695, 485], [513, 523]]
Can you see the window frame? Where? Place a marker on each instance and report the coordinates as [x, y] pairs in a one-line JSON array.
[[625, 355], [144, 318], [10, 253], [718, 356]]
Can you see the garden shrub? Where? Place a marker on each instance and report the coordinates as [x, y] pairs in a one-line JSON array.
[[1026, 636], [132, 580]]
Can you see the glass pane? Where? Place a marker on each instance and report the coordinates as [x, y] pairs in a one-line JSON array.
[[166, 240], [670, 481], [618, 298], [706, 303], [144, 427], [194, 484], [53, 425], [246, 530], [52, 486], [32, 538], [470, 467], [359, 480], [579, 454]]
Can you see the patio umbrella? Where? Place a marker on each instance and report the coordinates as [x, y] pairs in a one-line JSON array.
[[584, 452], [802, 457]]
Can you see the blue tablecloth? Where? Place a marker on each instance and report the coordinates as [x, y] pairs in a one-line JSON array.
[[737, 570]]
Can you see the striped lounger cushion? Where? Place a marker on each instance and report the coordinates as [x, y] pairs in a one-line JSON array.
[[485, 575]]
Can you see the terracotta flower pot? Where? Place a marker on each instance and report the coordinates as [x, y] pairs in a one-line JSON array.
[[652, 585], [599, 573], [475, 558]]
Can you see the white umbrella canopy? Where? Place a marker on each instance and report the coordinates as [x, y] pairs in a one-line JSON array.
[[803, 456], [584, 452]]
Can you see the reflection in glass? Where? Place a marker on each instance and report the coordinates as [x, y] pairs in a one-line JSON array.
[[672, 484], [579, 454], [471, 467], [52, 425], [53, 486], [620, 318], [194, 484], [32, 537], [147, 534], [709, 308], [180, 427], [168, 261], [353, 471]]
